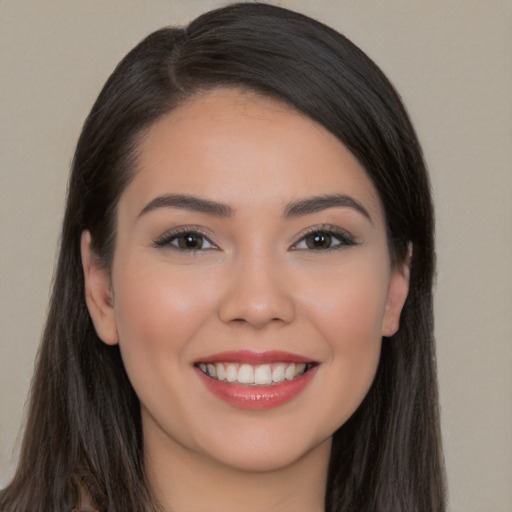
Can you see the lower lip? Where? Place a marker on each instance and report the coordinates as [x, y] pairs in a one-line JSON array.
[[257, 397]]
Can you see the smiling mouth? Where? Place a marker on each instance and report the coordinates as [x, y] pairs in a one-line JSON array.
[[255, 380], [268, 374]]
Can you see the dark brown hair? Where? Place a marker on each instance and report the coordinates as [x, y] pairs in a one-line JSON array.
[[84, 426]]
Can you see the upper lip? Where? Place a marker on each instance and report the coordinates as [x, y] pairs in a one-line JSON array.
[[255, 358]]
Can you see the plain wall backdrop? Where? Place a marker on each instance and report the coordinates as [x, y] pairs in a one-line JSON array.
[[452, 63]]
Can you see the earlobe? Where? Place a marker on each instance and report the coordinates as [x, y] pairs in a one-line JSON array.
[[397, 295], [98, 293]]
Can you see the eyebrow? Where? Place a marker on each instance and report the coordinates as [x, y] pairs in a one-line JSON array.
[[319, 203], [294, 209], [187, 202]]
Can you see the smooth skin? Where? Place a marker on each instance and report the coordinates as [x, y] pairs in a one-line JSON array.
[[314, 283]]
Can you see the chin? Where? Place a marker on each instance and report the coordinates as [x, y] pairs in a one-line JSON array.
[[257, 455]]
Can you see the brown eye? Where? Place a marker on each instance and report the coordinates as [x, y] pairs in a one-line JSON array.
[[325, 239], [189, 241], [186, 241], [319, 240]]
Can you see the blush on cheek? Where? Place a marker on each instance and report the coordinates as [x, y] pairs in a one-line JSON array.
[[352, 327], [355, 314], [159, 309]]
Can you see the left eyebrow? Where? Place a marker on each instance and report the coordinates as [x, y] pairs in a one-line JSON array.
[[319, 203]]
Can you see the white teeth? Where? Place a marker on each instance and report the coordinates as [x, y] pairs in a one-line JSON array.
[[254, 375], [246, 374], [221, 373], [289, 373], [300, 369], [263, 375], [212, 372], [231, 373], [278, 373]]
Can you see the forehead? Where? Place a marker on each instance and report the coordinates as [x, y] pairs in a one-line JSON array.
[[245, 149]]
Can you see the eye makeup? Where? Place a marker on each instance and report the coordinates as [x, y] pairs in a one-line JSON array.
[[192, 239], [186, 239], [325, 237]]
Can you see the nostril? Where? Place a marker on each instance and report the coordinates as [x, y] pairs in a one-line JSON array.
[[256, 323]]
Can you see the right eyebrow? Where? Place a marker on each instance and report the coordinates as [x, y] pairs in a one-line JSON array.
[[188, 202]]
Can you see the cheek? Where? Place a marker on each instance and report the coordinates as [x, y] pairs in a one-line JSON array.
[[353, 335], [348, 306], [158, 311], [348, 315]]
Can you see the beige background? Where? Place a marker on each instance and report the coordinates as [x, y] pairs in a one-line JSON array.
[[452, 62]]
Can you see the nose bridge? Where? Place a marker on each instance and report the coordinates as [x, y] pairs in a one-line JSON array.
[[257, 293]]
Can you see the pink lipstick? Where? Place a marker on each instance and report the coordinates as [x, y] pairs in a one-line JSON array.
[[256, 380]]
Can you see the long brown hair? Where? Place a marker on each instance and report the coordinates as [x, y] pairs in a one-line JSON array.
[[84, 427]]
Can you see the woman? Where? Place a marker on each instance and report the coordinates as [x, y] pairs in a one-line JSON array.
[[242, 309]]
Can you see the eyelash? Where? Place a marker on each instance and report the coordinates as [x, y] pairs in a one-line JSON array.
[[344, 239], [171, 236]]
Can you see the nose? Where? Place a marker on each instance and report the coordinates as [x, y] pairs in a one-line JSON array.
[[257, 294]]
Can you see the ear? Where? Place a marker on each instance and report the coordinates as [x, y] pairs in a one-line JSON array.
[[98, 293], [397, 294]]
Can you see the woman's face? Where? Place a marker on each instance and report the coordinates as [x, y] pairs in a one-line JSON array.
[[251, 282]]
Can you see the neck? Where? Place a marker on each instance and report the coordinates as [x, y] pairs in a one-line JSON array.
[[190, 482]]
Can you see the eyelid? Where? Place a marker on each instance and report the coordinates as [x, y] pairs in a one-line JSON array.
[[165, 238], [345, 238]]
